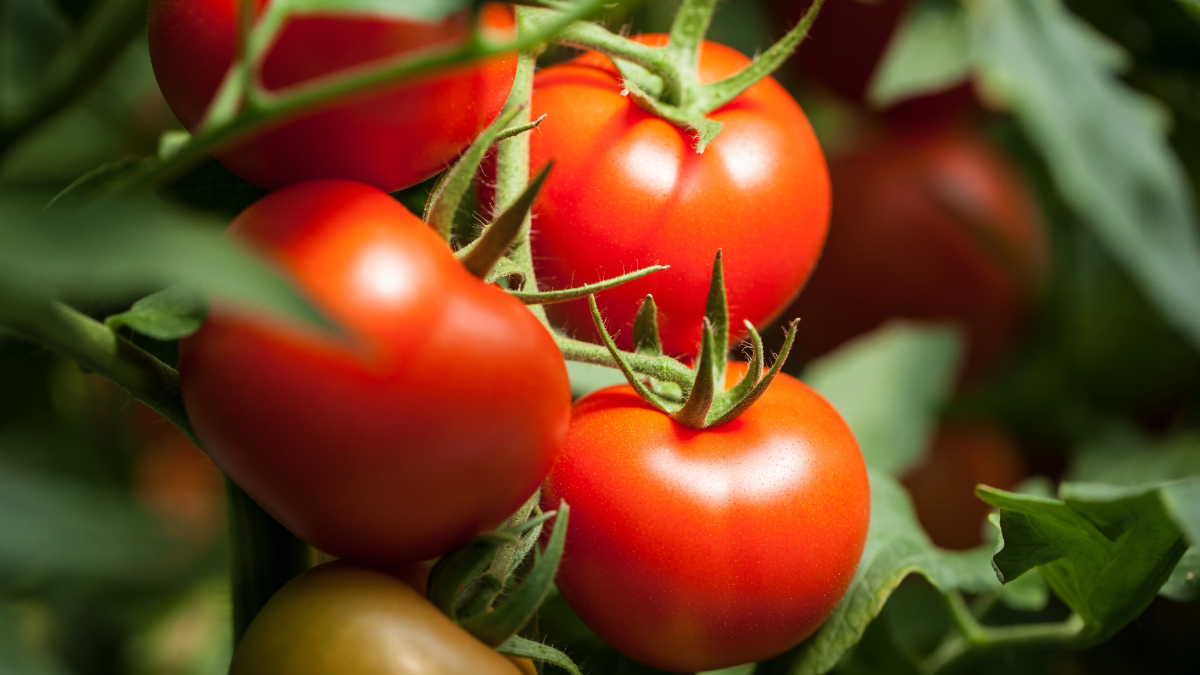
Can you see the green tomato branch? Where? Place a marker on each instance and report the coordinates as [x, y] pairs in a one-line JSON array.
[[973, 640]]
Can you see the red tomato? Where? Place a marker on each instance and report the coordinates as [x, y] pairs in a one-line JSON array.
[[943, 485], [392, 139], [697, 550], [434, 418], [629, 190], [930, 224]]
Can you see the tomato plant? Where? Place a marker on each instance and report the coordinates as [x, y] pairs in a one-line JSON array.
[[733, 543], [359, 621], [434, 416], [391, 139], [629, 189], [931, 224]]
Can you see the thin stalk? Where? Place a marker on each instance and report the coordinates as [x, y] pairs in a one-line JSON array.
[[265, 557], [973, 640], [662, 368], [96, 348], [687, 32]]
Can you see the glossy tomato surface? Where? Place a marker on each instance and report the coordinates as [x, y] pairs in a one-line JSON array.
[[629, 190], [929, 224], [697, 550], [434, 416], [338, 619], [392, 139]]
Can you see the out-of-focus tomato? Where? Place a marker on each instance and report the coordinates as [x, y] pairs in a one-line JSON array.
[[175, 479], [927, 224], [629, 190], [697, 550], [434, 416], [943, 485], [338, 619], [392, 139]]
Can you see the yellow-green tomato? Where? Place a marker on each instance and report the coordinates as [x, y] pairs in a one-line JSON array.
[[339, 619]]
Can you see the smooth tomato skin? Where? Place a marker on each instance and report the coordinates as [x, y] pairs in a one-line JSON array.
[[629, 190], [391, 140], [339, 619], [898, 247], [433, 419], [698, 550]]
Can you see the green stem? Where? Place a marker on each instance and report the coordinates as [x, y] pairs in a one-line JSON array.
[[270, 106], [265, 557], [107, 30], [973, 640], [97, 348], [687, 33], [662, 368]]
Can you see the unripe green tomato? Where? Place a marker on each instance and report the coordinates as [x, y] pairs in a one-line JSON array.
[[340, 619]]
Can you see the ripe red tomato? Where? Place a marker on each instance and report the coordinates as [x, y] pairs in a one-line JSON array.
[[929, 224], [629, 190], [697, 550], [943, 485], [434, 418], [338, 618], [392, 139]]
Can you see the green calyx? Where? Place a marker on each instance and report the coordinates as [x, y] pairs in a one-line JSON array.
[[704, 402], [663, 80]]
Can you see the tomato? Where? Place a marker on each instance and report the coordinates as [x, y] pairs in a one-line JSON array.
[[176, 480], [929, 224], [346, 620], [392, 139], [434, 417], [943, 485], [697, 550], [629, 190]]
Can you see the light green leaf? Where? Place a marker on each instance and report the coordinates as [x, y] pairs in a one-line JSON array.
[[169, 314], [1184, 583], [118, 249], [896, 547], [1105, 150], [1105, 551], [529, 649], [930, 51], [1192, 7], [888, 386]]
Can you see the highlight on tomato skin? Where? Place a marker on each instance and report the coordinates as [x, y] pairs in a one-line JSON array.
[[930, 223], [733, 543], [391, 140], [629, 190], [374, 445]]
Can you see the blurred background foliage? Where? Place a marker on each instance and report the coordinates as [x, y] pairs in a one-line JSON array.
[[113, 553]]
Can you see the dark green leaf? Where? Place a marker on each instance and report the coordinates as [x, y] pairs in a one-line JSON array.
[[1104, 551], [1102, 141], [896, 547], [930, 51], [522, 648], [169, 314], [117, 249], [889, 386]]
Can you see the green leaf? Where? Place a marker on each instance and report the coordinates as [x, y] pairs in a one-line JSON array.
[[1192, 7], [1184, 583], [1105, 551], [929, 52], [888, 386], [896, 547], [522, 648], [169, 314], [1105, 148], [118, 249], [427, 10]]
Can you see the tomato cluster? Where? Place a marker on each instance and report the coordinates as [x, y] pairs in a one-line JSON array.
[[435, 405]]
